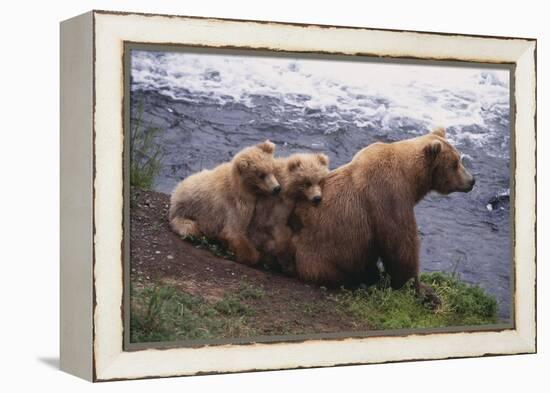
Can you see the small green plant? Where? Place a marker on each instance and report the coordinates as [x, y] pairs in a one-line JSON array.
[[249, 291], [211, 245], [232, 305], [145, 155], [311, 309]]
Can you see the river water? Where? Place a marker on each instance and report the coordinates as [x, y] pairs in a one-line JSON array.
[[209, 106]]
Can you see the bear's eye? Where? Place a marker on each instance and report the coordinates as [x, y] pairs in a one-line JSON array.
[[307, 183], [261, 175]]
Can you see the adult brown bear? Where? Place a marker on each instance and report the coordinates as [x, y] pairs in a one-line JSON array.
[[367, 212]]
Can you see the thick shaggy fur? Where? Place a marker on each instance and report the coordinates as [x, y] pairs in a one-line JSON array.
[[301, 177], [219, 203], [367, 211]]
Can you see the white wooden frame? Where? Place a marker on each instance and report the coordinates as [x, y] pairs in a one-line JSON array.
[[92, 194]]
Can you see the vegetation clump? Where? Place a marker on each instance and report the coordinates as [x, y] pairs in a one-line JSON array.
[[384, 308], [146, 155], [164, 313], [214, 247]]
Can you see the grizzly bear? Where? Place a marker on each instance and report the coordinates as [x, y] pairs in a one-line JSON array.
[[367, 212], [300, 177], [219, 203]]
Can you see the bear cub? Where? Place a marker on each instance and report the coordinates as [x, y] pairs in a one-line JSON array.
[[219, 203], [300, 177]]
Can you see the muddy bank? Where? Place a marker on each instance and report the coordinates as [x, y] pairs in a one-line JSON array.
[[160, 256]]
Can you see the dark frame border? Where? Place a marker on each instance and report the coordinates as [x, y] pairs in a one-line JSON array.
[[128, 46]]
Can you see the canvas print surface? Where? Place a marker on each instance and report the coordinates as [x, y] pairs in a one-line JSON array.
[[290, 196]]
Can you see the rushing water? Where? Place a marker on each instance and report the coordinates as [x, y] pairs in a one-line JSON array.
[[210, 106]]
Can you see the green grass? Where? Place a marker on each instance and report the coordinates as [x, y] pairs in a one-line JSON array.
[[384, 308], [249, 291], [145, 155], [163, 313]]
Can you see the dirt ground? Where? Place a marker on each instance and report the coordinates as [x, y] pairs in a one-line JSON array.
[[287, 306]]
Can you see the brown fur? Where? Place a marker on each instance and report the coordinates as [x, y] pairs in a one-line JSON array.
[[219, 203], [367, 211], [300, 176]]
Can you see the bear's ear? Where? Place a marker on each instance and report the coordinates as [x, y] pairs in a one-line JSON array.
[[322, 158], [267, 146], [433, 149], [242, 165], [294, 163], [439, 131]]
